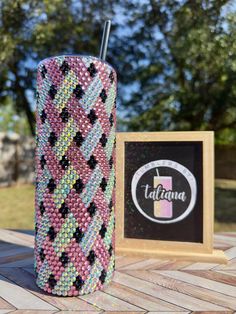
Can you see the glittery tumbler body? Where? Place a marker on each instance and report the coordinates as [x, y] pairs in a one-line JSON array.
[[75, 174]]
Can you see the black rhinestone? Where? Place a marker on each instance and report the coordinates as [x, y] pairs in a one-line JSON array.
[[103, 231], [64, 67], [64, 259], [64, 115], [111, 77], [78, 186], [43, 116], [52, 139], [110, 205], [51, 185], [111, 119], [51, 233], [92, 162], [64, 210], [91, 209], [52, 91], [91, 257], [103, 276], [103, 95], [78, 138], [43, 71], [92, 116], [41, 208], [64, 162], [36, 229], [78, 283], [52, 281], [110, 250], [103, 140], [103, 184], [42, 255], [37, 97], [92, 70], [78, 235], [111, 161], [42, 161], [78, 91]]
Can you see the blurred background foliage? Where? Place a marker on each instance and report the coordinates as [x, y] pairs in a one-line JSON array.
[[176, 60], [176, 64]]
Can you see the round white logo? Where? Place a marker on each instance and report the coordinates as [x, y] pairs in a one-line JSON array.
[[173, 194]]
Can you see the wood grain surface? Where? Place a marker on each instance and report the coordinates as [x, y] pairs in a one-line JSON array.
[[139, 285]]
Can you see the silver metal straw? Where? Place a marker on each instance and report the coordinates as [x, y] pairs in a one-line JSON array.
[[105, 38]]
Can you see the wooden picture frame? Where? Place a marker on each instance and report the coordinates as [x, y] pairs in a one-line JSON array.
[[129, 214]]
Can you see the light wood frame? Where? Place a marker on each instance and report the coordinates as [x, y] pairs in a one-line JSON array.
[[169, 249]]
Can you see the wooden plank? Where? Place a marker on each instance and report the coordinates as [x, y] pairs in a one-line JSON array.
[[125, 260], [231, 234], [5, 305], [199, 281], [200, 312], [140, 299], [227, 272], [21, 298], [231, 253], [171, 312], [219, 277], [27, 281], [182, 300], [29, 269], [171, 265], [80, 312], [29, 237], [141, 264], [3, 311], [16, 238], [220, 246], [16, 257], [109, 303], [186, 288], [230, 266], [200, 266], [152, 263], [115, 312], [34, 312], [14, 251], [24, 262], [225, 240], [6, 247]]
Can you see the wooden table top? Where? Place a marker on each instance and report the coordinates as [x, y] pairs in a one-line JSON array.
[[139, 285]]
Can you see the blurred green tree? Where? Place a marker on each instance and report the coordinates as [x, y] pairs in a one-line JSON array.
[[31, 30], [12, 122], [182, 57], [176, 60]]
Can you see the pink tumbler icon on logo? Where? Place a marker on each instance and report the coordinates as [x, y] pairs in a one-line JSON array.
[[162, 207]]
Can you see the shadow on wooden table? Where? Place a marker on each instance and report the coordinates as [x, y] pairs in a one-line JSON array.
[[17, 266]]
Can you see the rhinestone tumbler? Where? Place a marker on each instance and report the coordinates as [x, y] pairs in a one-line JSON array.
[[75, 174]]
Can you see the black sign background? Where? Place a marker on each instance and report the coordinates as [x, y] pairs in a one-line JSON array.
[[188, 154]]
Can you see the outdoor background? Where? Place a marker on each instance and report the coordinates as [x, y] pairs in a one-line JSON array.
[[176, 65]]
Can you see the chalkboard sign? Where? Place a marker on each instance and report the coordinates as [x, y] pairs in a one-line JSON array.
[[165, 193]]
